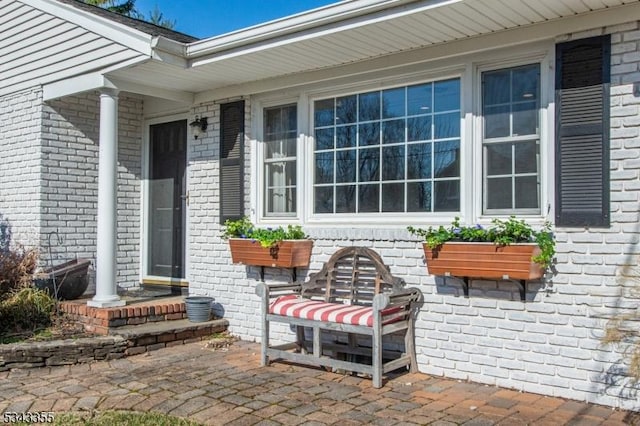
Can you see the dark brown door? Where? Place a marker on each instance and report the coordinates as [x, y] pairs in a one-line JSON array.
[[167, 199]]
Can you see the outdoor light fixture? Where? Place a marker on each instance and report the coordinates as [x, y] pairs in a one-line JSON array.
[[198, 126]]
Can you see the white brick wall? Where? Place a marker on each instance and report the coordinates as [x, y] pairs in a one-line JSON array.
[[20, 122], [551, 344], [70, 179]]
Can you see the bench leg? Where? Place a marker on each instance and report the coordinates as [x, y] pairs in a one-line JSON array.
[[300, 339], [264, 346], [317, 344], [377, 355], [410, 347]]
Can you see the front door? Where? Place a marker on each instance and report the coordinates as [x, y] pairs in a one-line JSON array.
[[167, 199]]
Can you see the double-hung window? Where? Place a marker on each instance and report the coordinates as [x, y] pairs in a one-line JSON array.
[[388, 151], [280, 140], [511, 140]]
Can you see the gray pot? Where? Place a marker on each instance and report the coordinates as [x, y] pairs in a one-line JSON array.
[[198, 308]]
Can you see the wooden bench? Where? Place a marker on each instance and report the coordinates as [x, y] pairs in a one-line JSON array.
[[353, 293]]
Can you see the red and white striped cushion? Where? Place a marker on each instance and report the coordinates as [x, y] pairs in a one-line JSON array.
[[296, 307]]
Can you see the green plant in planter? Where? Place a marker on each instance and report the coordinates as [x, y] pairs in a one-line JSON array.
[[501, 232], [267, 237]]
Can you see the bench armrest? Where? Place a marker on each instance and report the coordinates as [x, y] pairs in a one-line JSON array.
[[271, 291]]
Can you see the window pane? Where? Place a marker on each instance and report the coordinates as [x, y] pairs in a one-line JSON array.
[[280, 137], [345, 136], [281, 148], [393, 103], [419, 196], [419, 128], [419, 99], [496, 122], [369, 134], [419, 161], [393, 163], [525, 118], [393, 197], [346, 109], [446, 95], [447, 125], [346, 199], [498, 159], [281, 173], [323, 113], [527, 192], [447, 196], [496, 87], [368, 198], [324, 199], [447, 159], [281, 200], [393, 131], [499, 193], [383, 144], [526, 81], [324, 138], [526, 157], [324, 167], [369, 108], [369, 164], [346, 166]]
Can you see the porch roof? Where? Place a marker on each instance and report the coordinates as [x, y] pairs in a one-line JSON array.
[[350, 35]]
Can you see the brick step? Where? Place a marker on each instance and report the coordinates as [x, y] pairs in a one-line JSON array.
[[135, 312]]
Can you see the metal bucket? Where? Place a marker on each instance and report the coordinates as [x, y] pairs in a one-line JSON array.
[[198, 308]]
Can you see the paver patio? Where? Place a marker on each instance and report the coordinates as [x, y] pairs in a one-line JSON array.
[[230, 388]]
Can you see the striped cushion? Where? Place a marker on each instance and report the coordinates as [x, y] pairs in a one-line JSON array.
[[297, 307]]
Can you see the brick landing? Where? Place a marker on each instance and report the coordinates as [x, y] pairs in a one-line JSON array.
[[135, 312]]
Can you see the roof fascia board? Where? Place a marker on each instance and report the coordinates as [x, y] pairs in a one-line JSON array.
[[353, 11], [169, 51], [549, 30], [157, 92], [98, 81], [119, 33], [75, 85]]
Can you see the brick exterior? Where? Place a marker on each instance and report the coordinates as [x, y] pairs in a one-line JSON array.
[[49, 174], [20, 160], [70, 179], [550, 345]]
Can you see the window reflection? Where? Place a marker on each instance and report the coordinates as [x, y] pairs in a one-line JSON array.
[[395, 150]]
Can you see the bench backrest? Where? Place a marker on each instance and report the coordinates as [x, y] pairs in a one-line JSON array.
[[353, 275]]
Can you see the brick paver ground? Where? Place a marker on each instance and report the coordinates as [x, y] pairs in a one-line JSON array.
[[230, 388]]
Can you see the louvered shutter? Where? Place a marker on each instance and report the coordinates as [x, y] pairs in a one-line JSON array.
[[231, 161], [582, 132]]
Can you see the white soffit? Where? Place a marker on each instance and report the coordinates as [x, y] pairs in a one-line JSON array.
[[338, 35]]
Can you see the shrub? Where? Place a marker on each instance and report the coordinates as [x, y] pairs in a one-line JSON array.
[[16, 268], [27, 309]]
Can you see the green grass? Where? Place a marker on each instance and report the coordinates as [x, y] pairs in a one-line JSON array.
[[123, 418]]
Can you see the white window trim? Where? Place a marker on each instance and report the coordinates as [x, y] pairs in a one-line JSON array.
[[389, 219], [258, 211], [545, 58], [468, 69]]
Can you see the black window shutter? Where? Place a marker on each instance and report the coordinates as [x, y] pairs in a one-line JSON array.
[[582, 132], [231, 161]]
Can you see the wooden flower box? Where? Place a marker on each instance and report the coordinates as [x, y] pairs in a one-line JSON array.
[[484, 260], [285, 254]]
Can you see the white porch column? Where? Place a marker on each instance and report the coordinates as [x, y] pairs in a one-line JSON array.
[[106, 293]]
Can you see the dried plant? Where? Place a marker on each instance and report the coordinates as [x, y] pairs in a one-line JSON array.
[[16, 269], [624, 329]]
